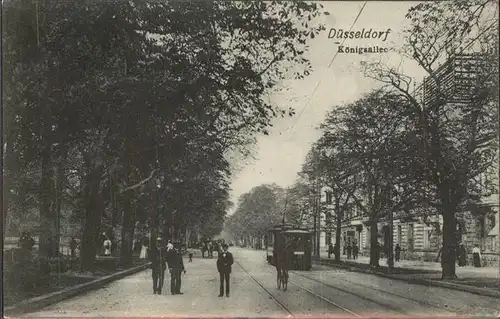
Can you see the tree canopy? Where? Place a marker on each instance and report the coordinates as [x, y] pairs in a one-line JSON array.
[[129, 108]]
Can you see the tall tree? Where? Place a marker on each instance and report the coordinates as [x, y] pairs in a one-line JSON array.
[[341, 175], [457, 120], [374, 134], [256, 211], [166, 88]]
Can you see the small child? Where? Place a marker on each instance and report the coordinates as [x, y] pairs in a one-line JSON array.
[[190, 253]]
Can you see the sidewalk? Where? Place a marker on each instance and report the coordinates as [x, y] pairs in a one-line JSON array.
[[475, 280]]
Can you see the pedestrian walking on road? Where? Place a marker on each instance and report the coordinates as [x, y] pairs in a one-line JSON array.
[[210, 250], [203, 250], [355, 250], [107, 247], [330, 250], [397, 251], [190, 253], [349, 250], [158, 258], [476, 256], [224, 262], [377, 248], [176, 267], [144, 252], [170, 245], [440, 255]]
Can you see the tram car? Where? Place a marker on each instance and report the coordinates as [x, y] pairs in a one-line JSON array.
[[300, 239]]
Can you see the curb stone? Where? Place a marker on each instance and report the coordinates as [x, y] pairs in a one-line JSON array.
[[43, 301], [425, 282]]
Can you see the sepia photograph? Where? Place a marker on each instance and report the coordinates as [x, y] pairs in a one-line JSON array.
[[250, 159]]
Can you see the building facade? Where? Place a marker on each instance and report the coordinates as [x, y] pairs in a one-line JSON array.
[[420, 236]]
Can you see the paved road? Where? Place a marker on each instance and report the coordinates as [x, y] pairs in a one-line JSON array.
[[322, 291]]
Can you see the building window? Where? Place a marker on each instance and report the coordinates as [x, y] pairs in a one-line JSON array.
[[410, 237], [481, 227], [427, 235], [328, 197], [400, 234]]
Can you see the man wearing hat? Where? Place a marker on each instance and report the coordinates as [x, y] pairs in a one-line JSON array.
[[158, 257], [176, 267], [224, 263]]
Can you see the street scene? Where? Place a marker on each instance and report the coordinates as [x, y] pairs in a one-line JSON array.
[[322, 292], [250, 158]]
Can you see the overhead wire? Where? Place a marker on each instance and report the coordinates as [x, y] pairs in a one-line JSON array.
[[343, 41], [331, 62]]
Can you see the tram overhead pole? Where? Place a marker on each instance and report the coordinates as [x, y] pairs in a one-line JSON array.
[[286, 202], [317, 215]]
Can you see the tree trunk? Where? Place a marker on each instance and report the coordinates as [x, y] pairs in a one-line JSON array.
[[48, 222], [127, 235], [338, 229], [10, 170], [92, 219], [58, 189], [374, 247], [448, 254], [152, 237]]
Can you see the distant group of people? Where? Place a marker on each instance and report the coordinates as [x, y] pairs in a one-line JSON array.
[[26, 244], [171, 256], [209, 248], [352, 251], [461, 255], [160, 257]]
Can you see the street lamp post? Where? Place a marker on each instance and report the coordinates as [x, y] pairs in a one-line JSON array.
[[286, 202]]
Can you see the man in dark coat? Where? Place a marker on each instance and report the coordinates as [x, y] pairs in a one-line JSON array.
[[462, 255], [176, 267], [355, 250], [330, 249], [398, 252], [349, 250], [158, 257], [224, 263]]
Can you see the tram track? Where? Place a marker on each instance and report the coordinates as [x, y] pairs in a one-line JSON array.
[[266, 290], [325, 299], [284, 307], [386, 305]]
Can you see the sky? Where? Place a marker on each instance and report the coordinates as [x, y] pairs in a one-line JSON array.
[[278, 157]]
